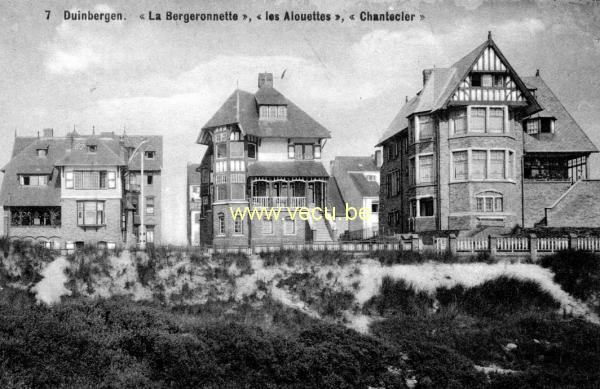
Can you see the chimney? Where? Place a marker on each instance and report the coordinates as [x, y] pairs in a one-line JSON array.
[[426, 74], [537, 72], [48, 133], [265, 79], [378, 158]]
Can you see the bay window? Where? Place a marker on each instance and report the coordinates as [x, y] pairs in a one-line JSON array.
[[460, 162], [426, 169], [304, 151], [90, 179], [459, 120], [150, 205], [496, 121], [497, 163], [425, 127], [486, 119], [421, 207], [477, 120], [90, 213], [479, 164]]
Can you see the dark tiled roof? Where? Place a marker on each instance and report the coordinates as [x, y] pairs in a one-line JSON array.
[[365, 187], [335, 196], [287, 169], [356, 164], [155, 143], [567, 136], [442, 83], [268, 95], [193, 174], [76, 153], [298, 124]]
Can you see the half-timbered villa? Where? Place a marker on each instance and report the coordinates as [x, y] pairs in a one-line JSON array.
[[264, 152], [479, 146]]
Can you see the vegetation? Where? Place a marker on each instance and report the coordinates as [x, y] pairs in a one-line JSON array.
[[577, 272]]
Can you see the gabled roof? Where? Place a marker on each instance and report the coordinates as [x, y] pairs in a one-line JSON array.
[[298, 124], [193, 174], [287, 169], [356, 164], [77, 153], [365, 187], [335, 196], [155, 143], [568, 137], [443, 82]]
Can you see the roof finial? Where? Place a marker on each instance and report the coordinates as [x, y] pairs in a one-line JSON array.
[[406, 99], [38, 135], [15, 132], [489, 35], [93, 130], [237, 106], [537, 72]]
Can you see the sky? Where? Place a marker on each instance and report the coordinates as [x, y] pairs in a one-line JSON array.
[[168, 78]]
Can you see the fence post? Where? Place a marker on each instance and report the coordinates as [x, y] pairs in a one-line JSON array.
[[573, 241], [533, 239], [452, 244], [493, 244], [415, 243]]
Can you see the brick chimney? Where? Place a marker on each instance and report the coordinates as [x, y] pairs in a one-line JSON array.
[[265, 79], [48, 132], [426, 74]]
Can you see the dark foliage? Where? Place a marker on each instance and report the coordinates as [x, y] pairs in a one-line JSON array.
[[577, 272]]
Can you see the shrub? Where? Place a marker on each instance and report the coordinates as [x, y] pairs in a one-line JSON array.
[[395, 296], [578, 272]]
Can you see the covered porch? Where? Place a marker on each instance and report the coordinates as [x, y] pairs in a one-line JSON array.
[[292, 192], [555, 167]]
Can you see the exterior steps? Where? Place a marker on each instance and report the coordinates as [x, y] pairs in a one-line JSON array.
[[320, 231]]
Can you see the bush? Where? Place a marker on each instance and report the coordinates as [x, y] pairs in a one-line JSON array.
[[395, 297], [577, 272]]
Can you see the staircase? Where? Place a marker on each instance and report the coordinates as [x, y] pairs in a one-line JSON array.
[[320, 230]]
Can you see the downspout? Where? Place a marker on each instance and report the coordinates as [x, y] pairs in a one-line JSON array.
[[522, 178], [438, 216]]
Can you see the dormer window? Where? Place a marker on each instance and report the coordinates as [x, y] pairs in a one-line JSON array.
[[92, 148], [539, 126], [42, 152], [33, 180], [149, 154], [273, 112]]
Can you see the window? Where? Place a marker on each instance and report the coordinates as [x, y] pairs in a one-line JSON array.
[[425, 127], [34, 180], [413, 208], [291, 151], [317, 152], [150, 205], [547, 125], [236, 149], [267, 226], [289, 226], [477, 120], [273, 112], [375, 207], [388, 185], [238, 226], [205, 176], [220, 135], [149, 179], [238, 178], [252, 150], [150, 234], [486, 80], [149, 154], [371, 177], [235, 135], [221, 224], [475, 79], [497, 164], [533, 126], [426, 206], [69, 180], [459, 119], [221, 150], [221, 192], [498, 80], [426, 169], [92, 148], [460, 162], [511, 165], [90, 213], [195, 193], [42, 152], [496, 122], [238, 191], [489, 202], [304, 151], [221, 179], [411, 171], [89, 179], [479, 166]]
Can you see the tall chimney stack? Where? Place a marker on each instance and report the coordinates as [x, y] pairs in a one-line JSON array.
[[426, 74], [48, 132], [265, 79]]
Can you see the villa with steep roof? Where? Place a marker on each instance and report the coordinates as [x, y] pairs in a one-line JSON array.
[[264, 152], [83, 189], [480, 146]]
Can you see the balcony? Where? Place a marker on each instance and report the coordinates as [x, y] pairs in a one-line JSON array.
[[278, 202]]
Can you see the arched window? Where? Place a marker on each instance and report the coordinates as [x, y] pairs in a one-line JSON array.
[[221, 223], [489, 201]]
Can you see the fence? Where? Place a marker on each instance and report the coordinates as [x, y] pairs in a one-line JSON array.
[[520, 246]]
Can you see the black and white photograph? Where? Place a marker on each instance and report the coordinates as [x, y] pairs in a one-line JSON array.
[[300, 194]]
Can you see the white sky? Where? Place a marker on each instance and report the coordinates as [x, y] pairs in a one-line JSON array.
[[168, 78]]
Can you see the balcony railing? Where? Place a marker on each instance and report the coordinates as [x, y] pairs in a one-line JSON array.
[[278, 202]]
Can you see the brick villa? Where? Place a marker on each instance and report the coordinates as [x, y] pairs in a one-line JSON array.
[[480, 146], [82, 189], [263, 152]]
